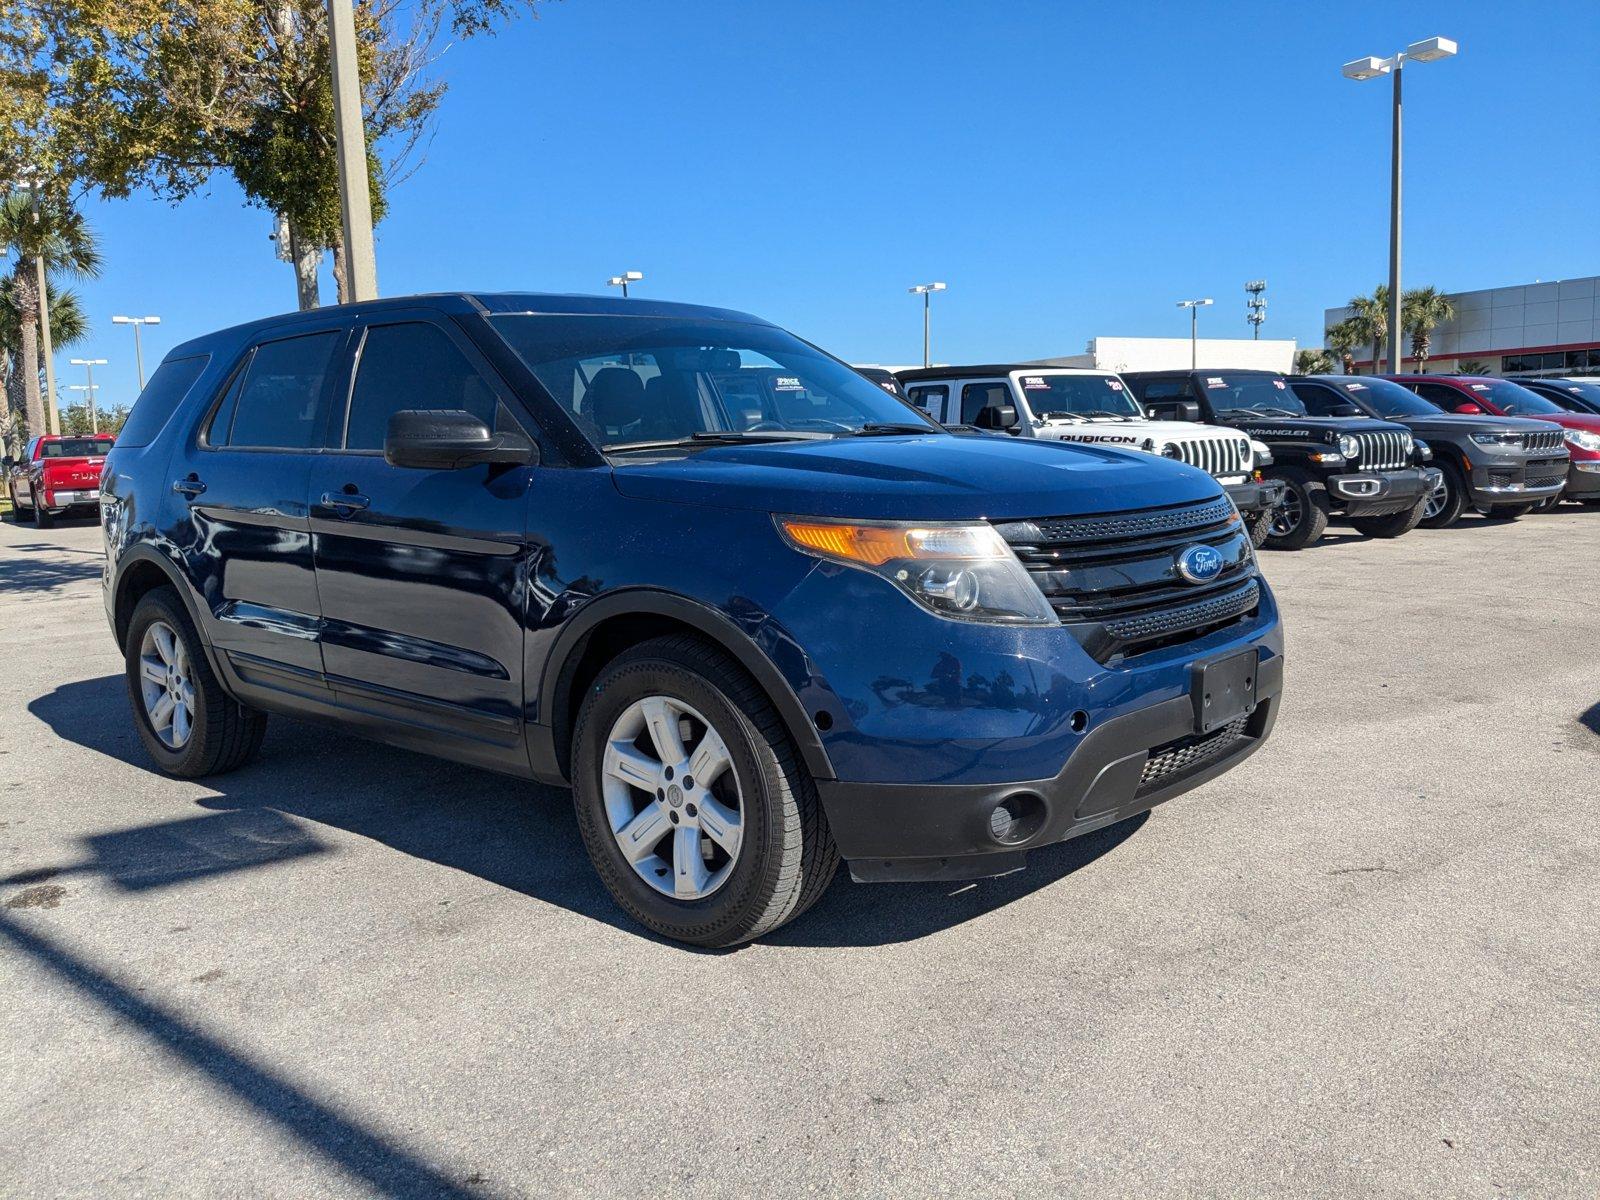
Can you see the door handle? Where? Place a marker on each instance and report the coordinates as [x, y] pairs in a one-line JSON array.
[[346, 504], [190, 487]]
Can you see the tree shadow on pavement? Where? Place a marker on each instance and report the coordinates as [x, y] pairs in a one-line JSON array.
[[509, 832], [48, 567]]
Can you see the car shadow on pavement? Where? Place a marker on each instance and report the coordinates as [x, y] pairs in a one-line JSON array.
[[511, 833]]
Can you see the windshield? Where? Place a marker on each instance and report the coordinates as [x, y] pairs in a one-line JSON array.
[[1389, 399], [647, 380], [1513, 399], [1587, 394], [1077, 396], [1265, 394], [76, 448]]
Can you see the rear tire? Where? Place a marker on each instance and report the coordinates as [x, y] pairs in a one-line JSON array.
[[1443, 507], [41, 517], [1391, 525], [692, 692], [219, 734], [1303, 515]]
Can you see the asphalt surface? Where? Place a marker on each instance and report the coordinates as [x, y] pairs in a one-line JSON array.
[[1365, 963]]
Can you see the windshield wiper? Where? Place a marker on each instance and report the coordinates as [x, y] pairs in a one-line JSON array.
[[1100, 412], [887, 428], [723, 437], [1279, 412]]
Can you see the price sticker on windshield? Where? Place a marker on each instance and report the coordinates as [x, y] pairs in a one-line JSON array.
[[1114, 384], [1215, 381], [1479, 387], [1356, 387], [788, 383], [1280, 385], [1034, 383]]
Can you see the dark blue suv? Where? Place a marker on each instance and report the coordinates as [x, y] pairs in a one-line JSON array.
[[755, 610]]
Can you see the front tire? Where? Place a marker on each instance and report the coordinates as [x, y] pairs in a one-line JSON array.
[[1260, 526], [1448, 500], [693, 803], [1391, 525], [189, 725], [1303, 515]]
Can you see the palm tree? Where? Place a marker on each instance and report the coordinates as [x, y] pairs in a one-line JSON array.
[[1342, 339], [1371, 318], [69, 325], [1423, 310], [62, 239], [1312, 362]]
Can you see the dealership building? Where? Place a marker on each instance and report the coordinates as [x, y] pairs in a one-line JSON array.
[[1549, 328]]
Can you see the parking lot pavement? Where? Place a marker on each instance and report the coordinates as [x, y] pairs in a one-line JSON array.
[[1364, 963]]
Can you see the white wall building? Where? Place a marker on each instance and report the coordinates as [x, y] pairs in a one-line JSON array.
[[1553, 328], [1166, 354]]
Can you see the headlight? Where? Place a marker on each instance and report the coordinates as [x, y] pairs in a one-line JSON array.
[[1348, 446], [1497, 439], [1582, 439], [962, 571]]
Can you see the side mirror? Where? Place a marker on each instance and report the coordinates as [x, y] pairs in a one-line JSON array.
[[1345, 410], [446, 439], [997, 416], [1470, 409], [1174, 410]]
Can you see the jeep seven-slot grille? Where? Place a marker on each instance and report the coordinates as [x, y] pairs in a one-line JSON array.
[[1542, 442], [1114, 582], [1216, 455], [1382, 451]]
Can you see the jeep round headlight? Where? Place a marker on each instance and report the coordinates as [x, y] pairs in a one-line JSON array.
[[1172, 450], [964, 571], [1349, 446]]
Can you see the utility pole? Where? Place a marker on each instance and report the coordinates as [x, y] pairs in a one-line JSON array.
[[138, 346], [88, 386], [1256, 307], [360, 264], [1194, 307], [926, 290]]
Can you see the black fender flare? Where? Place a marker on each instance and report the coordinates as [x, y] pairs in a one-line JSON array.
[[143, 552], [717, 628]]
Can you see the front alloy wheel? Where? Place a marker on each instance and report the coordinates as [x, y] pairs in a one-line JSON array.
[[674, 804], [1287, 516], [1438, 498]]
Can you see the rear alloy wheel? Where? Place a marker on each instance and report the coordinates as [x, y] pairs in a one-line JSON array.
[[1391, 525], [1302, 516], [188, 723], [1447, 500], [693, 803]]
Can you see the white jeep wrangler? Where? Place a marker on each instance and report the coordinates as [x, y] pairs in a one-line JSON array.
[[1073, 404]]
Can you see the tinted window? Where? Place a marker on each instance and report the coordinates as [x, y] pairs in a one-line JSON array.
[[1319, 399], [76, 448], [1439, 395], [1166, 389], [1389, 399], [930, 399], [975, 397], [160, 399], [646, 379], [413, 365], [1512, 399], [278, 403]]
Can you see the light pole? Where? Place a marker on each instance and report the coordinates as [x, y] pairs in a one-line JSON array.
[[355, 200], [88, 365], [88, 390], [1256, 307], [926, 290], [138, 349], [1194, 307], [1360, 69], [623, 280]]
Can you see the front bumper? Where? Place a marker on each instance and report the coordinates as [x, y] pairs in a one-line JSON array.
[[1583, 482], [1373, 493], [1123, 766], [1255, 496]]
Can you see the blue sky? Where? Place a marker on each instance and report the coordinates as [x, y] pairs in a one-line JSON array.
[[1070, 169]]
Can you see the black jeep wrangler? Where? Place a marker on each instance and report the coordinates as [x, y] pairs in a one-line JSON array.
[[1369, 472]]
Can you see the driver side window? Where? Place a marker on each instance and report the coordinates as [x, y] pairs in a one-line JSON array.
[[976, 398], [415, 365], [1320, 401]]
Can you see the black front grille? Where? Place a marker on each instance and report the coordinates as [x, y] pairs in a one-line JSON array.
[[1547, 472], [1114, 581], [1170, 763], [1542, 442]]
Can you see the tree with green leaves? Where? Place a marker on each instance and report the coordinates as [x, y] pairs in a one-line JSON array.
[[34, 229], [161, 94], [1313, 362], [1422, 310], [68, 327], [1370, 316], [1343, 339]]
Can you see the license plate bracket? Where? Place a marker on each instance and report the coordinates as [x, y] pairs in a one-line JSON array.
[[1223, 689]]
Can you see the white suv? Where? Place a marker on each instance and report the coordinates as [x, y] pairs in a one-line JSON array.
[[1074, 404]]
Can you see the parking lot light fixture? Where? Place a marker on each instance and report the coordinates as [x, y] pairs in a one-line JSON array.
[[138, 323], [88, 390], [624, 279], [1361, 69], [1194, 307], [926, 290]]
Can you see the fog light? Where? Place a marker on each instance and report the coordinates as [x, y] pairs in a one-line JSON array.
[[1016, 818]]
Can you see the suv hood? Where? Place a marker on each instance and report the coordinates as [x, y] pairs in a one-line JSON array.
[[1315, 429], [1465, 422], [1121, 433], [914, 478]]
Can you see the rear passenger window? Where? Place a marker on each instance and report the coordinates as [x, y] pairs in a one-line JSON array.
[[1445, 397], [415, 365], [160, 399], [276, 401], [1166, 389], [1319, 400], [930, 399]]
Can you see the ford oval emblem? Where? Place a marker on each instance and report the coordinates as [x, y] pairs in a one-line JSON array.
[[1199, 564]]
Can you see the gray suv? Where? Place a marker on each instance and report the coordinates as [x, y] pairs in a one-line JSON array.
[[1502, 466]]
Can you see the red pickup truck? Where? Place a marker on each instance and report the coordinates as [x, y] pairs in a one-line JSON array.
[[58, 472]]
